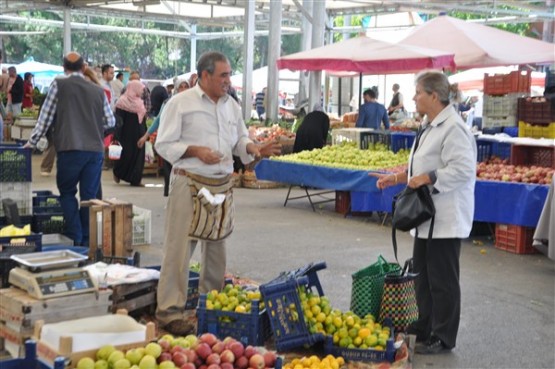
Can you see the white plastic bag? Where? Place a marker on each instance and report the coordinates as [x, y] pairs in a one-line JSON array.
[[149, 152]]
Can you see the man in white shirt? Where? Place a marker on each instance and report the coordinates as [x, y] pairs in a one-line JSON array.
[[200, 131], [107, 77], [117, 86]]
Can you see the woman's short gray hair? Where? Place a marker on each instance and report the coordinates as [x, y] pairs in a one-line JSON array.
[[433, 81], [207, 62]]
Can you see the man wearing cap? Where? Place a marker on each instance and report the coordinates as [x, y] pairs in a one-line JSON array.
[[27, 90], [81, 113], [15, 92]]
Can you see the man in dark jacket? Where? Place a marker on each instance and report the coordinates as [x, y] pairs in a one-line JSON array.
[[313, 132], [15, 93]]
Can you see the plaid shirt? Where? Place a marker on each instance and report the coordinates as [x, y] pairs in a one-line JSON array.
[[48, 111]]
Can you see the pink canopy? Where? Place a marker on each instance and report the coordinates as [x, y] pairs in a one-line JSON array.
[[476, 45], [367, 55]]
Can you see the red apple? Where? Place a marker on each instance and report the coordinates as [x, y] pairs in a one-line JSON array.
[[237, 348], [188, 366], [191, 355], [203, 350], [227, 356], [218, 347], [214, 366], [226, 365], [242, 362], [213, 359], [256, 361], [179, 358], [269, 359], [164, 356], [208, 338], [249, 351]]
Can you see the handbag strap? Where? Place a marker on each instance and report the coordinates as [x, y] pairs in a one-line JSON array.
[[394, 234]]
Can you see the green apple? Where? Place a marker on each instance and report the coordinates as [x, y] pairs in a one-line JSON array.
[[104, 352], [115, 356], [134, 356], [85, 363], [148, 362], [153, 349], [122, 364], [101, 364]]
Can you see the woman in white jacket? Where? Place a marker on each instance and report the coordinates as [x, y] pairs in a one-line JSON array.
[[444, 160]]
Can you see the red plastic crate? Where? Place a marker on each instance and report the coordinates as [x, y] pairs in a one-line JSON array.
[[501, 84], [536, 110], [342, 202], [542, 156], [514, 238]]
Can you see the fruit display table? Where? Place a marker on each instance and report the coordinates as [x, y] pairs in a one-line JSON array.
[[495, 202]]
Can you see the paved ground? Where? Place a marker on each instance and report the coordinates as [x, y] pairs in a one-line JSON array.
[[508, 301]]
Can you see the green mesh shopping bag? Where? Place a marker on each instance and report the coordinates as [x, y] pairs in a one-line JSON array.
[[367, 288]]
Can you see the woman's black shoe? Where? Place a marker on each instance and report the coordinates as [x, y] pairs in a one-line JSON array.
[[432, 347]]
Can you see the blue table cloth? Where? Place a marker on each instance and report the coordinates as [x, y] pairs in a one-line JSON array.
[[315, 176], [496, 202]]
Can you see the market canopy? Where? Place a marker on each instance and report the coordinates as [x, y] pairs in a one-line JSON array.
[[366, 55], [32, 66], [476, 45]]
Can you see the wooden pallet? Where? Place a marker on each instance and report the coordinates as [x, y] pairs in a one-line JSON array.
[[117, 227]]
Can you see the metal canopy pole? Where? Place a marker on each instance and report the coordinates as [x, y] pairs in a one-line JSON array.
[[274, 48], [248, 57], [318, 29], [67, 30], [193, 48]]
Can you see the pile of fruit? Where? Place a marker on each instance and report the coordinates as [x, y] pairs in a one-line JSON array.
[[204, 352], [347, 329], [29, 112], [347, 156], [497, 169], [272, 134], [314, 362], [233, 298]]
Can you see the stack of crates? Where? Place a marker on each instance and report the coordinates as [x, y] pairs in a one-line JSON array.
[[536, 117], [48, 216], [343, 135], [16, 177], [501, 94]]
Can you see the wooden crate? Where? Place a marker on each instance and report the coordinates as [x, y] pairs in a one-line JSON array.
[[66, 344], [19, 313], [134, 296], [117, 227]]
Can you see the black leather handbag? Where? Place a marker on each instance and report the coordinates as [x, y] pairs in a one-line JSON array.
[[412, 207]]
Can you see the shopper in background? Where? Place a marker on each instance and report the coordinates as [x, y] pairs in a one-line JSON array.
[[136, 76], [132, 112], [15, 92], [182, 85], [117, 86], [313, 131], [27, 91], [372, 114], [81, 114], [396, 103], [158, 95], [444, 159], [260, 103], [107, 71], [200, 130]]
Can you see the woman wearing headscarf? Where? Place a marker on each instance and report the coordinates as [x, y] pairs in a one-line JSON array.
[[313, 131], [131, 112]]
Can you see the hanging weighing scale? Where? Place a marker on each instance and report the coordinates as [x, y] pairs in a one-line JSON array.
[[51, 274]]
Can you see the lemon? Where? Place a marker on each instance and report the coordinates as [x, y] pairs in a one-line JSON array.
[[240, 309]]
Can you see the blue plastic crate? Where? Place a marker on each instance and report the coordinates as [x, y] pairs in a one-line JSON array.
[[492, 130], [30, 361], [364, 355], [511, 131], [23, 220], [192, 290], [501, 150], [250, 328], [48, 223], [46, 202], [15, 164], [402, 140], [23, 245], [284, 307], [485, 149]]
